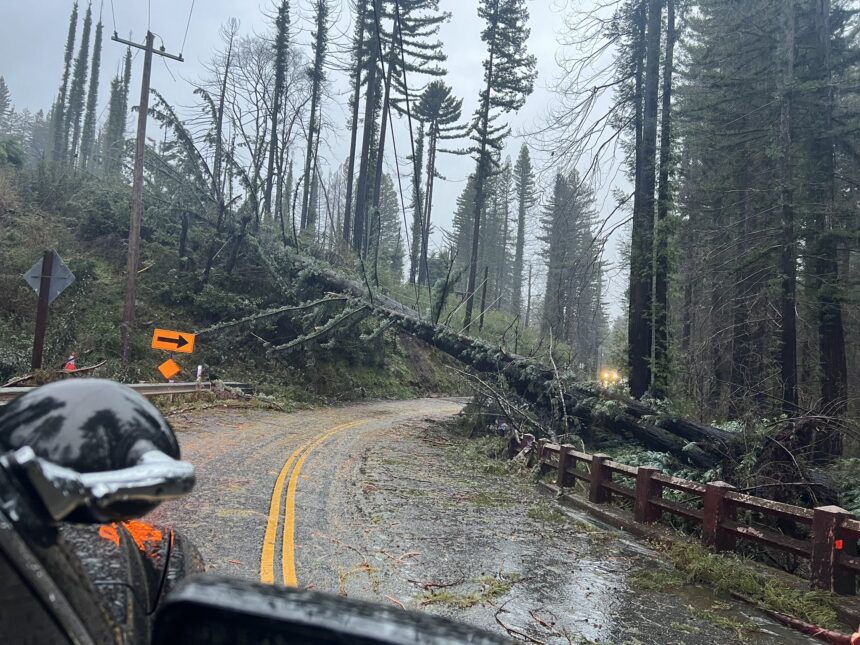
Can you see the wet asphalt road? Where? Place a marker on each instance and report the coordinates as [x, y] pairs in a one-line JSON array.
[[376, 501]]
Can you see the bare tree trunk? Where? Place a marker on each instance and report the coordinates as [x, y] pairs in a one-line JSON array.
[[529, 298], [483, 298], [316, 89], [423, 276], [356, 96], [282, 23]]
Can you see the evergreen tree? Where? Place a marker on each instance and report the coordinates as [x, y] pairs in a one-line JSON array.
[[572, 308], [509, 73], [88, 136], [58, 112], [461, 235], [5, 108], [441, 111], [410, 52], [524, 182], [77, 91], [495, 254], [401, 42], [555, 222], [113, 135], [387, 241], [40, 138], [728, 267]]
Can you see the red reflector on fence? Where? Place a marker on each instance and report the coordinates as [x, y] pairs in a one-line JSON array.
[[838, 544]]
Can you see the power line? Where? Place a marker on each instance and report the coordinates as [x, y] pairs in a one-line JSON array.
[[187, 25], [113, 13], [167, 67]]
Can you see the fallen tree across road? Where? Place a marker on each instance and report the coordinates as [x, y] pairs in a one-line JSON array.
[[695, 444]]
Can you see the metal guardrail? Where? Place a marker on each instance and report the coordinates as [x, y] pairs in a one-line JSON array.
[[7, 394]]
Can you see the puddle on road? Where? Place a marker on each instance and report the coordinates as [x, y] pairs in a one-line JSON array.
[[580, 591]]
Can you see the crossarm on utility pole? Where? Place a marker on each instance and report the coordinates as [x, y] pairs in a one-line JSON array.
[[159, 52]]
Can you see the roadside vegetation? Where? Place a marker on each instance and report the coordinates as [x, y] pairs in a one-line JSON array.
[[732, 576], [86, 220]]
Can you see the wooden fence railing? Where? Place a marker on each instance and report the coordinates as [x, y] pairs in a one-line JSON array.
[[722, 513]]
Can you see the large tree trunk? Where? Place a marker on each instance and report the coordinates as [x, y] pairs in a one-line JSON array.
[[661, 255], [358, 234], [376, 224], [642, 242], [788, 255], [356, 96], [417, 205], [423, 268], [831, 332], [310, 164]]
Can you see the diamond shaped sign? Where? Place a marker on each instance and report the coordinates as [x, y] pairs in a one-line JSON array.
[[61, 277], [169, 369]]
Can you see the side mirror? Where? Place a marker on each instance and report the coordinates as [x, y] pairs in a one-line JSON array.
[[210, 609], [104, 496], [92, 450]]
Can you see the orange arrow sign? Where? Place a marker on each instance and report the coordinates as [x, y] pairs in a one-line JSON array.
[[173, 341]]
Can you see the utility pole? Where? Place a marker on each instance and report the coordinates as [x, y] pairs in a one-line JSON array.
[[137, 190]]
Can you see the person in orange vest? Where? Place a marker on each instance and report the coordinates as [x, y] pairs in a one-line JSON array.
[[71, 363]]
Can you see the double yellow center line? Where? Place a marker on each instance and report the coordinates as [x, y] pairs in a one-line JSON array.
[[292, 469]]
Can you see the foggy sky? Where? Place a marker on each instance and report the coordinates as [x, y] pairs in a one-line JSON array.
[[33, 34]]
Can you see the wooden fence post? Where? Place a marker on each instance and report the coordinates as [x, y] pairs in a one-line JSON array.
[[826, 531], [716, 510], [563, 461], [542, 468], [646, 488], [597, 494]]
